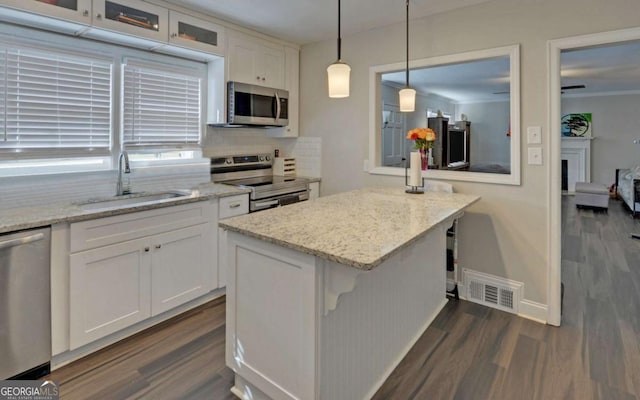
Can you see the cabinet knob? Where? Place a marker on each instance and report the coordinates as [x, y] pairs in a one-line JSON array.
[[263, 78], [146, 249], [98, 16], [257, 77], [158, 246], [85, 13]]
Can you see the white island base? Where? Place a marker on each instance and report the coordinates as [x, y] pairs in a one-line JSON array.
[[303, 327]]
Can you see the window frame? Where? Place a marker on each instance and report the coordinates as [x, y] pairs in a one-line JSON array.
[[55, 42]]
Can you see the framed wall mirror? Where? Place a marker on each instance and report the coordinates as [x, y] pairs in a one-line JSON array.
[[471, 100]]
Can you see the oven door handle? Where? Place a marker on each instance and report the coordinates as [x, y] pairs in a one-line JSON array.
[[267, 203]]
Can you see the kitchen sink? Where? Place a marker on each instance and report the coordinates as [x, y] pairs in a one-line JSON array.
[[132, 200]]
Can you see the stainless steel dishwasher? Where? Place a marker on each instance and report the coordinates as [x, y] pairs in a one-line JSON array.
[[25, 304]]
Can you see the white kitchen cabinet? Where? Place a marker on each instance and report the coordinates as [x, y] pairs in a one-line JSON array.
[[187, 31], [314, 190], [255, 61], [69, 10], [109, 290], [229, 207], [133, 17], [179, 267], [291, 84], [127, 268]]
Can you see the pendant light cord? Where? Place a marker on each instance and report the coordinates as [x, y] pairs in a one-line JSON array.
[[339, 35], [407, 42]]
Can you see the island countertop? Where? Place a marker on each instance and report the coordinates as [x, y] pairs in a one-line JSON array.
[[360, 228]]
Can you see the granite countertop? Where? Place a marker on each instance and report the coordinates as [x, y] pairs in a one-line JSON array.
[[33, 217], [361, 228]]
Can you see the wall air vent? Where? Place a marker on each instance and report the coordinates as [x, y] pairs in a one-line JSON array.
[[493, 291]]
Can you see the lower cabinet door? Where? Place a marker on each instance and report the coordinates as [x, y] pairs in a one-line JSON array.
[[109, 290], [181, 267]]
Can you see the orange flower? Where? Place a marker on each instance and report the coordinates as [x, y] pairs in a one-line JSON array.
[[424, 137]]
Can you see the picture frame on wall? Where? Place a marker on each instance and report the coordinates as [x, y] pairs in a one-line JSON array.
[[577, 125]]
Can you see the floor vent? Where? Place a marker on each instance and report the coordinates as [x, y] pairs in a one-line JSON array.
[[492, 291]]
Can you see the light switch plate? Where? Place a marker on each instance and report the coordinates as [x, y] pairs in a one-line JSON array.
[[534, 135], [535, 155]]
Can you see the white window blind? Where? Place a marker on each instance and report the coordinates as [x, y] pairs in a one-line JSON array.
[[160, 107], [54, 101]]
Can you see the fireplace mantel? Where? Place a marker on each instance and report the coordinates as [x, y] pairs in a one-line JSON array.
[[577, 153]]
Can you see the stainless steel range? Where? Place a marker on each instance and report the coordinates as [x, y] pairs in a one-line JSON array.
[[254, 171]]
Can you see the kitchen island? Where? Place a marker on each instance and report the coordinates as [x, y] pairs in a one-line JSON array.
[[326, 297]]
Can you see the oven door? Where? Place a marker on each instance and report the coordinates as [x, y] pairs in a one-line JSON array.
[[277, 201], [257, 105]]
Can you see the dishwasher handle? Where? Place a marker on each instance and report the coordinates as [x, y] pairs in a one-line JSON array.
[[20, 241]]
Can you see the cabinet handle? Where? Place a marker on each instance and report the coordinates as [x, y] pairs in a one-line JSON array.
[[146, 249], [85, 13], [158, 246], [235, 205], [173, 35]]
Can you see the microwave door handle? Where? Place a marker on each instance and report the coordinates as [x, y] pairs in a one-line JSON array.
[[278, 107]]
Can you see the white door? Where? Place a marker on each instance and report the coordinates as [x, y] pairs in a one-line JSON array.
[[109, 290], [393, 136], [180, 267]]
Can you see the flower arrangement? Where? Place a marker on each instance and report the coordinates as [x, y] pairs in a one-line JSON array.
[[424, 138]]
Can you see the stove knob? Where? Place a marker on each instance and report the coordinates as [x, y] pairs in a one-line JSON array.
[[268, 158], [229, 161], [261, 158]]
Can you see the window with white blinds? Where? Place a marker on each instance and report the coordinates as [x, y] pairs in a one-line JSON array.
[[160, 106], [54, 101]]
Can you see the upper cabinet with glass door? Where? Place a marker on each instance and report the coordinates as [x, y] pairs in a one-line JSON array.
[[69, 10], [134, 17], [194, 33]]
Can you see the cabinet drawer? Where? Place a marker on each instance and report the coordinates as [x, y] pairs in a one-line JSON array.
[[110, 230], [234, 205]]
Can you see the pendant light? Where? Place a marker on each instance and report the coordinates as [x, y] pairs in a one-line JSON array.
[[338, 72], [407, 95]]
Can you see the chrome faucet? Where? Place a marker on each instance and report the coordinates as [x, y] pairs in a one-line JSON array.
[[123, 188]]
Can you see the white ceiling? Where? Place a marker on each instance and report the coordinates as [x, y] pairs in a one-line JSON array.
[[603, 69], [307, 21], [476, 81]]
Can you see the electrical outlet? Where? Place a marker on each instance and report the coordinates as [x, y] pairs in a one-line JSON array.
[[535, 155], [534, 135]]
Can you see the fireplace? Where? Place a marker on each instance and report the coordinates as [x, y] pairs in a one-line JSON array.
[[575, 153]]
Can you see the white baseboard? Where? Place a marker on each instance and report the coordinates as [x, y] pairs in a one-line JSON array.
[[534, 311]]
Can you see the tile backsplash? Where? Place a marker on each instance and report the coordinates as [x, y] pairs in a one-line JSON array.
[[306, 150], [27, 191]]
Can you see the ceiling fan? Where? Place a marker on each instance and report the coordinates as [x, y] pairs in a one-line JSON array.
[[568, 87]]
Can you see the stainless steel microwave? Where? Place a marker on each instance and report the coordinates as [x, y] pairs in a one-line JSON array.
[[257, 105]]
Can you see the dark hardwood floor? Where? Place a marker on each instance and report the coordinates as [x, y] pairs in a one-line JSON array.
[[182, 358], [470, 351]]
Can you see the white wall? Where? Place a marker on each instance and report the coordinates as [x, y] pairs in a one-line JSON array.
[[505, 234], [615, 124], [489, 127]]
